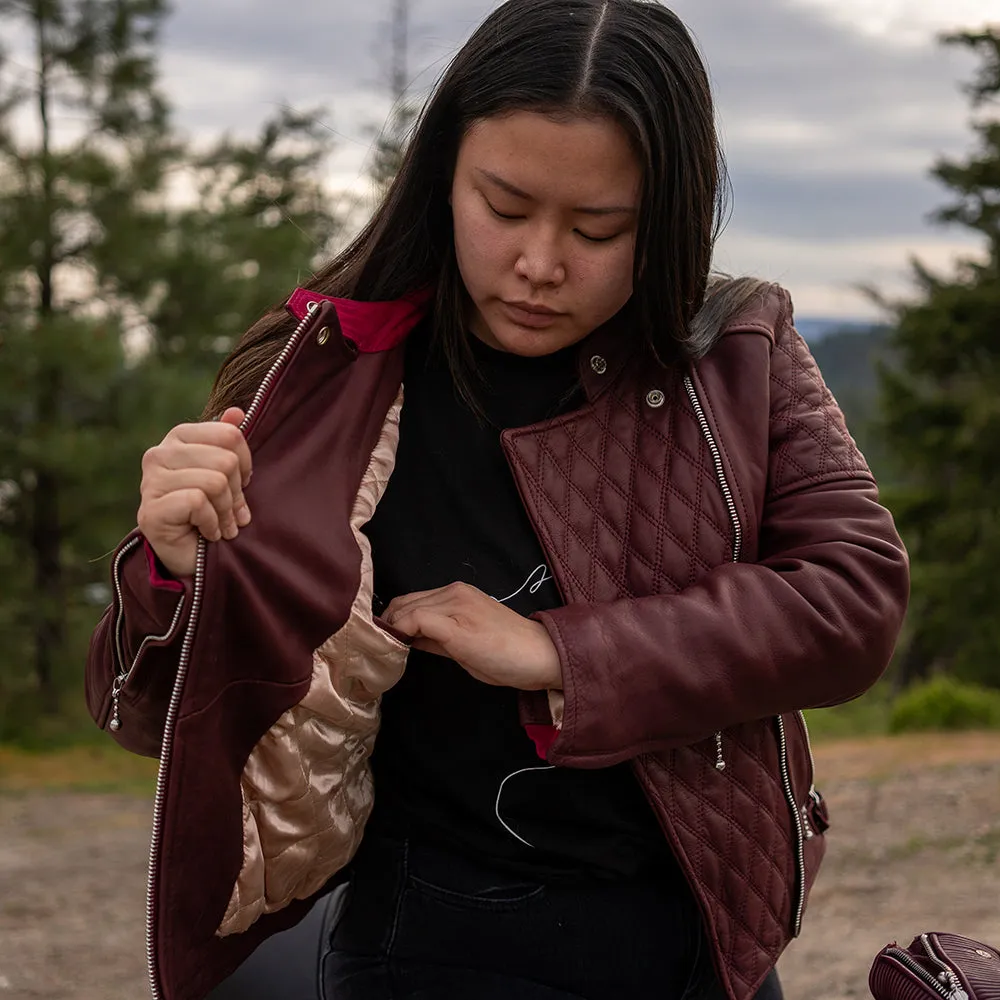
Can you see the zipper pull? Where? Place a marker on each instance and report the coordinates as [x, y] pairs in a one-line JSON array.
[[720, 760], [116, 689], [806, 827]]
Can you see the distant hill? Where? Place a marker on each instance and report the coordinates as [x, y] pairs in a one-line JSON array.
[[848, 357], [815, 328]]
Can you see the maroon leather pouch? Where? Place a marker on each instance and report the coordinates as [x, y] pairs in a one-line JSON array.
[[936, 966]]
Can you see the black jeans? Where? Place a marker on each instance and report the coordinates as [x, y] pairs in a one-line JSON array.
[[424, 924]]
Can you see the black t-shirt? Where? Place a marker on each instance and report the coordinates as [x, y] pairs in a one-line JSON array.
[[452, 763]]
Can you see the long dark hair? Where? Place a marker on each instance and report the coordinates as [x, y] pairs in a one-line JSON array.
[[630, 60]]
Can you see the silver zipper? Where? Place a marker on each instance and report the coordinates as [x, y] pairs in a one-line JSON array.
[[123, 674], [800, 854], [813, 794], [279, 363], [720, 469], [949, 986], [182, 667], [115, 576], [948, 974], [734, 514]]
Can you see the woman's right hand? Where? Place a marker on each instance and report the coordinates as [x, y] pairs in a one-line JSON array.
[[192, 483]]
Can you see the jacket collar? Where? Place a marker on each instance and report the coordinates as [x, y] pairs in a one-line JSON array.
[[381, 326]]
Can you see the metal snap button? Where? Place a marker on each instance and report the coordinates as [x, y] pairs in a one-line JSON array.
[[323, 336], [598, 364], [655, 398]]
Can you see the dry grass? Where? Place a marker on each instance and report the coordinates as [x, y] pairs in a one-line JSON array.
[[881, 757], [93, 768]]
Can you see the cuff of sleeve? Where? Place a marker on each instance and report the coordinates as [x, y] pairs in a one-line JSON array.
[[543, 737], [160, 578]]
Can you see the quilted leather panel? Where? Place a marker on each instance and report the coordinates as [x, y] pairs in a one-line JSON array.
[[810, 442], [734, 829], [627, 501], [628, 496]]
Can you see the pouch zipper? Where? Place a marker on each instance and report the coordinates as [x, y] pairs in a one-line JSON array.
[[182, 666], [952, 990], [727, 496]]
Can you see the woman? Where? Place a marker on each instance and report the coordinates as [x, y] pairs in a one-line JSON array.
[[584, 529]]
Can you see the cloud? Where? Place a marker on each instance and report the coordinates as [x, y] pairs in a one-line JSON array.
[[831, 123]]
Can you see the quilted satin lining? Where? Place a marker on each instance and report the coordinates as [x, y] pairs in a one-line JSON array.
[[307, 786]]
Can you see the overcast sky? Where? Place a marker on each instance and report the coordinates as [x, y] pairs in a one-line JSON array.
[[832, 112]]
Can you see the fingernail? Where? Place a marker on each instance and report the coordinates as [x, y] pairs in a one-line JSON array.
[[243, 516], [231, 532]]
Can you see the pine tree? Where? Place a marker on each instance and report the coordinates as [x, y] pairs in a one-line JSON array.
[[117, 302], [70, 188], [941, 403]]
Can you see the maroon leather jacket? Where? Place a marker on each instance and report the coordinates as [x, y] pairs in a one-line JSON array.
[[723, 560]]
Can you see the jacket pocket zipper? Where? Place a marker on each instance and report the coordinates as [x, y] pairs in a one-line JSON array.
[[122, 672], [182, 667]]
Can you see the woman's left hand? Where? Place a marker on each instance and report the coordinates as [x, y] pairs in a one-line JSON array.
[[494, 644]]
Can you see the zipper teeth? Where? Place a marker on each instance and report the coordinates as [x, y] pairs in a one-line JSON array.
[[121, 604], [720, 469], [906, 959], [734, 514], [812, 760], [279, 363], [800, 857], [161, 783], [956, 983], [155, 638], [182, 666]]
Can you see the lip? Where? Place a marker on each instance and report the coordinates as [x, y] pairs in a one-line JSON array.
[[533, 317], [528, 307]]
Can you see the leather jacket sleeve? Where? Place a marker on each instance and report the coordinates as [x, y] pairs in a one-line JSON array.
[[811, 622], [137, 645]]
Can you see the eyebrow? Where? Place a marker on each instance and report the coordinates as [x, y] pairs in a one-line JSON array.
[[586, 210]]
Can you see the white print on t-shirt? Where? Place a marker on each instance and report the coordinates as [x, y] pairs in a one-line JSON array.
[[539, 576], [536, 578]]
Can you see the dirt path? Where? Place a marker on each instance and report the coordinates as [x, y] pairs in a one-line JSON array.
[[915, 846]]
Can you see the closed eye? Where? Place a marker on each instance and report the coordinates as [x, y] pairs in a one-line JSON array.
[[597, 239], [502, 215]]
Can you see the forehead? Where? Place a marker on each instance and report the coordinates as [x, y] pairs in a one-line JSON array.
[[554, 158]]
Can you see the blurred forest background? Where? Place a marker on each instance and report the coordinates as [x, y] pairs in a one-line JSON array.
[[130, 261]]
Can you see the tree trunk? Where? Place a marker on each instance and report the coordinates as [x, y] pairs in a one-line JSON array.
[[46, 527]]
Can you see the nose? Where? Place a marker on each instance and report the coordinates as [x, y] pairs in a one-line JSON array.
[[540, 260]]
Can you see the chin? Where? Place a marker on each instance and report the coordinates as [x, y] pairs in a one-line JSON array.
[[530, 343]]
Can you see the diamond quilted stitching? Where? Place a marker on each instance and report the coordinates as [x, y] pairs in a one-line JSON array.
[[804, 411], [749, 902], [613, 536], [628, 503]]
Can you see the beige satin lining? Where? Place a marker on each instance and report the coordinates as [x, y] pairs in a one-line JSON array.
[[307, 786], [557, 707]]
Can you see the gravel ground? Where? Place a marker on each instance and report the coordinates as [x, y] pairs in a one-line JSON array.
[[915, 846]]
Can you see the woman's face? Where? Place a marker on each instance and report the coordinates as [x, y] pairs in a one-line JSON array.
[[545, 213]]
